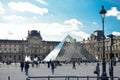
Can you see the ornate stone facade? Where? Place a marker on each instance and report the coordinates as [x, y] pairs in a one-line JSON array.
[[33, 46], [94, 45]]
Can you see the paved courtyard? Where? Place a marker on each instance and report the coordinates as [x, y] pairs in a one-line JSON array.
[[65, 70]]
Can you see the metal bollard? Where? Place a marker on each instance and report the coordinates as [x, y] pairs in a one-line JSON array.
[[8, 77], [48, 78], [27, 78], [87, 77]]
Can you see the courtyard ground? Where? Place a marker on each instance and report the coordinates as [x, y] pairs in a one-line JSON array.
[[13, 71]]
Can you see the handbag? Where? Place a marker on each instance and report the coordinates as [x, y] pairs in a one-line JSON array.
[[95, 72]]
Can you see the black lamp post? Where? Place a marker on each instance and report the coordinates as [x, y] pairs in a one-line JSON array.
[[22, 50], [104, 75], [111, 55]]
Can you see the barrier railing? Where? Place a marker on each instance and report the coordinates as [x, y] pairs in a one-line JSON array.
[[69, 78]]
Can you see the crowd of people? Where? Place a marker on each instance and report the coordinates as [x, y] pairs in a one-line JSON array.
[[25, 65]]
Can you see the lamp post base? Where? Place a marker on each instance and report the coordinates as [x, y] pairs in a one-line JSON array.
[[104, 77]]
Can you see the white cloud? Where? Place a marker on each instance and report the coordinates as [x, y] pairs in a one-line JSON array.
[[73, 22], [94, 23], [49, 31], [113, 12], [81, 34], [118, 17], [34, 17], [116, 33], [13, 17], [27, 7], [42, 2], [2, 10], [10, 33]]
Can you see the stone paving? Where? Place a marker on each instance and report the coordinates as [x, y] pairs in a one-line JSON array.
[[65, 70]]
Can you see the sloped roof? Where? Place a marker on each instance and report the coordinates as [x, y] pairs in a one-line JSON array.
[[10, 41]]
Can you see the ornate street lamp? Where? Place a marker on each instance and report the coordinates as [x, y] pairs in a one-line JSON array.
[[104, 75]]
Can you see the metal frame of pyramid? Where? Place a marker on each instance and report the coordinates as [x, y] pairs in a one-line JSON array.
[[68, 49]]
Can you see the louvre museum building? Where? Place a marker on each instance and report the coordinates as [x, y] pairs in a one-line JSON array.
[[69, 49], [33, 46]]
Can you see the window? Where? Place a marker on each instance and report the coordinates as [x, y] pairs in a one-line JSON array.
[[14, 56], [116, 54], [14, 49], [9, 49], [113, 47], [35, 51], [5, 49], [10, 56], [19, 57], [116, 47], [98, 49], [0, 57], [14, 45]]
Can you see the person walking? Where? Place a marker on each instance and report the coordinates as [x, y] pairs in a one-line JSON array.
[[52, 67], [48, 63], [98, 71], [22, 65], [26, 67], [74, 67]]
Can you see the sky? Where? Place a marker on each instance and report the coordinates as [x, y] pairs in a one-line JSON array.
[[55, 19]]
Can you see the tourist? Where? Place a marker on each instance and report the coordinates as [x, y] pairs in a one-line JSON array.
[[32, 63], [36, 63], [22, 65], [98, 70], [52, 67], [48, 63], [15, 62], [26, 67], [74, 67]]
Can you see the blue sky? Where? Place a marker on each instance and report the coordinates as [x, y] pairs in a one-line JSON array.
[[55, 19]]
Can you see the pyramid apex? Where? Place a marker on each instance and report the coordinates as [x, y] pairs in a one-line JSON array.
[[69, 39]]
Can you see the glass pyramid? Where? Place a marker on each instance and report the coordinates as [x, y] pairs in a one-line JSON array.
[[54, 53], [68, 50]]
